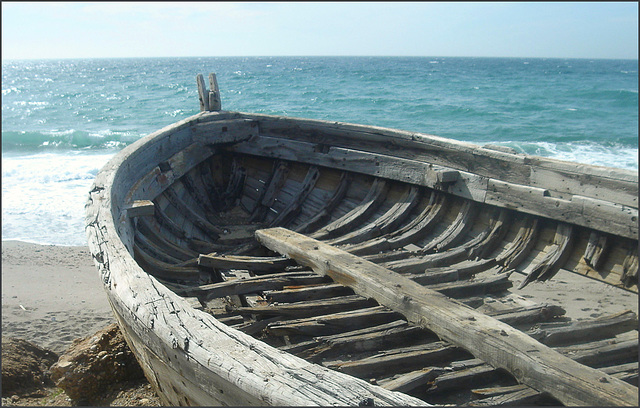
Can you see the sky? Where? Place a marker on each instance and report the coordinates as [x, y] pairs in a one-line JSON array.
[[167, 29]]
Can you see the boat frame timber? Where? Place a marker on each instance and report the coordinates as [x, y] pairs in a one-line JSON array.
[[174, 341]]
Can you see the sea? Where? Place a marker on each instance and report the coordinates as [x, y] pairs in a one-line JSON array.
[[62, 120]]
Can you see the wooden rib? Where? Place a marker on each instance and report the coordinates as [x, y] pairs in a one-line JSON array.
[[199, 246], [212, 190], [326, 325], [626, 372], [555, 257], [398, 360], [528, 315], [154, 250], [234, 186], [196, 191], [602, 353], [460, 379], [165, 270], [392, 334], [478, 333], [166, 222], [267, 197], [456, 230], [252, 285], [603, 327], [189, 213], [596, 250], [145, 227], [323, 213], [630, 268], [411, 380], [310, 308], [369, 204], [417, 228], [293, 208], [521, 246], [513, 395], [256, 264], [484, 286], [456, 272], [406, 261], [484, 242], [325, 291], [386, 222]]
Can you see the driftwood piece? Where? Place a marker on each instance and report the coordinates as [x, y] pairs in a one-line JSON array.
[[498, 344]]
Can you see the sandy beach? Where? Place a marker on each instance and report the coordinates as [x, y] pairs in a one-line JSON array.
[[51, 294]]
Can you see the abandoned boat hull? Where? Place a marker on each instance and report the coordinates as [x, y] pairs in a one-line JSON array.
[[171, 221]]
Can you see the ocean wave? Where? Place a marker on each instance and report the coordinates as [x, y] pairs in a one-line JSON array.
[[598, 154], [69, 139]]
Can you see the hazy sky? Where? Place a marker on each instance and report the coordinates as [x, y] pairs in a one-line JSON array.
[[101, 29]]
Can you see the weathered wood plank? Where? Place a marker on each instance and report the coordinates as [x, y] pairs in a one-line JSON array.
[[596, 329], [386, 222], [369, 204], [326, 325], [566, 177], [251, 285], [554, 258], [310, 308], [140, 208], [496, 343], [223, 132], [256, 264], [593, 212], [203, 94], [215, 103], [416, 229], [315, 292]]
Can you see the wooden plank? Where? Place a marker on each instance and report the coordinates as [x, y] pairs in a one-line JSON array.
[[414, 230], [293, 207], [187, 353], [223, 132], [369, 204], [497, 343], [325, 212], [398, 361], [380, 165], [554, 258], [251, 285], [616, 184], [593, 212], [386, 222], [596, 329], [215, 103], [325, 325], [252, 263], [310, 308], [140, 208], [203, 94]]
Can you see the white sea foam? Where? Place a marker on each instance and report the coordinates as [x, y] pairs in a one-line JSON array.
[[43, 196]]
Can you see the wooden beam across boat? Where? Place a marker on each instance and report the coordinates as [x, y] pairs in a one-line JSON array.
[[496, 343]]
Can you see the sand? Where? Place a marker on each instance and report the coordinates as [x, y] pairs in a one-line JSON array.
[[53, 294]]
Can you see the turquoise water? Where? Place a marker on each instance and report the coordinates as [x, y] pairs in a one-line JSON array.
[[63, 119]]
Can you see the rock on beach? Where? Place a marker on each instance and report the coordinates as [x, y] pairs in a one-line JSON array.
[[95, 362]]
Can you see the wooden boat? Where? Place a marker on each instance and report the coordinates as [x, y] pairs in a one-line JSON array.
[[265, 260]]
